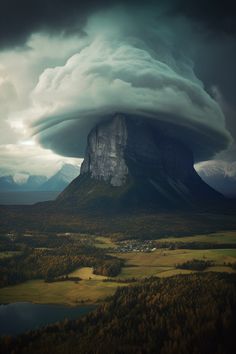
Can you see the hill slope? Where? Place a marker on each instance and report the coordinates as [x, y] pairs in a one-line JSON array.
[[182, 314]]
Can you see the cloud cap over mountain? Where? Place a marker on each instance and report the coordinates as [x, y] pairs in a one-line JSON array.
[[135, 65]]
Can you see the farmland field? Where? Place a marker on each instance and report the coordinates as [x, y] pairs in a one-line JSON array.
[[67, 292], [86, 273], [104, 242], [217, 237], [8, 254], [163, 262], [92, 288]]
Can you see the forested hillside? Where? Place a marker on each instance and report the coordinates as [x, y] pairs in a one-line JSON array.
[[183, 314]]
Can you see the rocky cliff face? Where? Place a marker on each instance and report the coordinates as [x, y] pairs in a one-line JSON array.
[[132, 162], [104, 158], [124, 146]]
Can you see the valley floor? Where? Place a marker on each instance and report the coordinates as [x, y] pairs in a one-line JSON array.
[[161, 262]]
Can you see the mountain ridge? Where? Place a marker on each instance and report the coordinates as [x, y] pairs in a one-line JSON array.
[[57, 182]]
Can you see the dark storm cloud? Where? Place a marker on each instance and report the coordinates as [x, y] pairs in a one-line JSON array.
[[215, 65], [216, 15], [213, 52], [133, 61], [20, 18]]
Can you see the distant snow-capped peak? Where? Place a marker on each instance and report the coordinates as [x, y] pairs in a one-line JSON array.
[[217, 167]]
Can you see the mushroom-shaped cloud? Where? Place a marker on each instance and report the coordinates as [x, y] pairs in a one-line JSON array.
[[124, 67]]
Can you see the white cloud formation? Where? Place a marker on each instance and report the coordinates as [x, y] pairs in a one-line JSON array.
[[27, 158], [122, 69], [19, 73], [59, 87]]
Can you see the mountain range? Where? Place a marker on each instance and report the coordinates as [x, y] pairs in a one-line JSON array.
[[56, 182]]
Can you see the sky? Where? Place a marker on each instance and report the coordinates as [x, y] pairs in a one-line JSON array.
[[67, 65]]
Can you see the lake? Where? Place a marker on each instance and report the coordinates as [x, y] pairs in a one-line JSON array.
[[20, 317]]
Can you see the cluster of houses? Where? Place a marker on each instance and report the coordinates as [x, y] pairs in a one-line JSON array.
[[135, 246]]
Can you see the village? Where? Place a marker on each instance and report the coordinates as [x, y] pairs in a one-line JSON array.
[[135, 246]]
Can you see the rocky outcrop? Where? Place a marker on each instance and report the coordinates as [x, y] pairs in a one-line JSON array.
[[104, 158], [133, 162], [124, 146]]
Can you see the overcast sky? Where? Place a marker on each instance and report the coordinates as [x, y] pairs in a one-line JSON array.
[[65, 65]]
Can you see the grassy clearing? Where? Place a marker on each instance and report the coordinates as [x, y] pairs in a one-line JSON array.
[[37, 291], [8, 254], [215, 238], [170, 258], [173, 271], [220, 269], [141, 272], [104, 242], [86, 273], [162, 262], [92, 289], [138, 265]]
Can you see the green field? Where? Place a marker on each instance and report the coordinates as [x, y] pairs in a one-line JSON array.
[[215, 238], [92, 288], [104, 242], [8, 254], [162, 262], [86, 273], [67, 292]]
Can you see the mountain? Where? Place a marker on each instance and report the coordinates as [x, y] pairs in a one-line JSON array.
[[61, 179], [57, 182], [132, 163], [14, 184], [220, 175], [33, 183], [7, 183]]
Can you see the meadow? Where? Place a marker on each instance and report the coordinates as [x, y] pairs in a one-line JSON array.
[[67, 292], [92, 288], [215, 238], [163, 262], [8, 254]]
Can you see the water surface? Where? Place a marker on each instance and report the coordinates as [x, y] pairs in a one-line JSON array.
[[20, 317]]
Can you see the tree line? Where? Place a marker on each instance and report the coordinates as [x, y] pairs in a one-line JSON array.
[[193, 313], [48, 264]]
